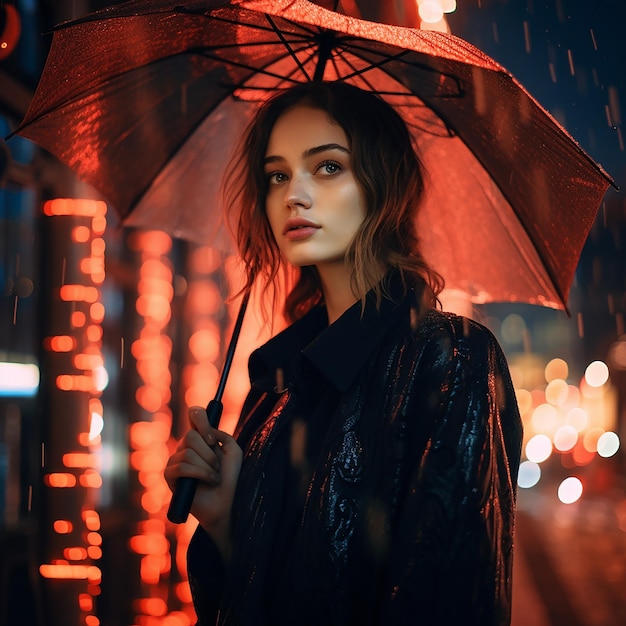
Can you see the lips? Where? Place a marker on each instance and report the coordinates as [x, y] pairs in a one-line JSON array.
[[298, 228]]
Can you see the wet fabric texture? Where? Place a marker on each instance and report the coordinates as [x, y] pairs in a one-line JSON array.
[[379, 478]]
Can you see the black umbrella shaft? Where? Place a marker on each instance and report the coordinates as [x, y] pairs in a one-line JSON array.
[[325, 42], [185, 488]]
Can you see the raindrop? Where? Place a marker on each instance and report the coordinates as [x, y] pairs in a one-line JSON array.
[[527, 46], [614, 106], [581, 326], [593, 39], [494, 28], [570, 59], [121, 353], [552, 72]]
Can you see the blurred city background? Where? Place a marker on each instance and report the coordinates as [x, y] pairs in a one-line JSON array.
[[108, 334]]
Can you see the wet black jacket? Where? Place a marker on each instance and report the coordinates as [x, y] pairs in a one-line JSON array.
[[401, 510]]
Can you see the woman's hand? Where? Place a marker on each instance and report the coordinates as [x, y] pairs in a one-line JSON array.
[[214, 458]]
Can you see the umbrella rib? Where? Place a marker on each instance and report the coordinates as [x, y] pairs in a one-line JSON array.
[[250, 68], [288, 47]]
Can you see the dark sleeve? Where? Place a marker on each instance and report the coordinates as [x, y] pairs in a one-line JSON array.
[[205, 569], [451, 560]]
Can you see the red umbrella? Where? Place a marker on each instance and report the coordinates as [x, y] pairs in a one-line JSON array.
[[145, 99]]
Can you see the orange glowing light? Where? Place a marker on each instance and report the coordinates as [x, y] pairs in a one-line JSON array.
[[92, 620], [94, 538], [152, 543], [205, 260], [79, 293], [85, 601], [96, 312], [94, 552], [98, 246], [66, 571], [152, 606], [580, 455], [60, 480], [79, 459], [67, 382], [60, 343], [154, 241], [73, 206], [91, 519], [94, 589], [81, 234], [149, 460], [91, 479], [204, 345], [149, 574], [146, 434], [98, 224], [75, 553], [78, 319], [153, 525], [84, 361], [63, 526], [204, 297], [94, 333], [590, 439], [183, 592]]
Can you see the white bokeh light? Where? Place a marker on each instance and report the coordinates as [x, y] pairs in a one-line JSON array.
[[570, 490], [529, 474], [538, 448], [608, 444]]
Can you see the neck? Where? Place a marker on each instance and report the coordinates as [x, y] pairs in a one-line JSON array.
[[338, 294]]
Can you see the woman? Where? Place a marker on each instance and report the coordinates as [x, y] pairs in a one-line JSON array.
[[371, 479]]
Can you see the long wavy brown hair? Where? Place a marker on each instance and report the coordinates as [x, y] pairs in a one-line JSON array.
[[389, 172]]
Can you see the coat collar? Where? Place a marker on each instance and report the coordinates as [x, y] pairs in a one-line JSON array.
[[339, 351]]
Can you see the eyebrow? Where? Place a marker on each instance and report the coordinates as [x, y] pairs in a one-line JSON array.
[[310, 152]]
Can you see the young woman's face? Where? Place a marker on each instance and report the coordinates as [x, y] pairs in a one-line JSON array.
[[314, 203]]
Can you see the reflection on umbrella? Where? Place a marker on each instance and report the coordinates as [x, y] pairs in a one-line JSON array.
[[159, 90]]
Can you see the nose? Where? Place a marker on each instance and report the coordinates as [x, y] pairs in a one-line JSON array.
[[297, 195]]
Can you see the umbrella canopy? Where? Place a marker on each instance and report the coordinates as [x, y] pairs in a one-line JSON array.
[[146, 99]]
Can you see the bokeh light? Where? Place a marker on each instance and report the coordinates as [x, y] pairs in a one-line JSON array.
[[607, 444], [529, 474], [565, 438], [596, 374], [570, 490], [556, 368], [538, 448]]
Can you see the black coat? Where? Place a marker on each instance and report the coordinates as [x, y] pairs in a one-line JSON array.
[[406, 514]]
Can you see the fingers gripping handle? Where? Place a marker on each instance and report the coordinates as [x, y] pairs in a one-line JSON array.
[[185, 489]]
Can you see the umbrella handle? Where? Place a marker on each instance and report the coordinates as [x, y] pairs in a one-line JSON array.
[[185, 487]]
